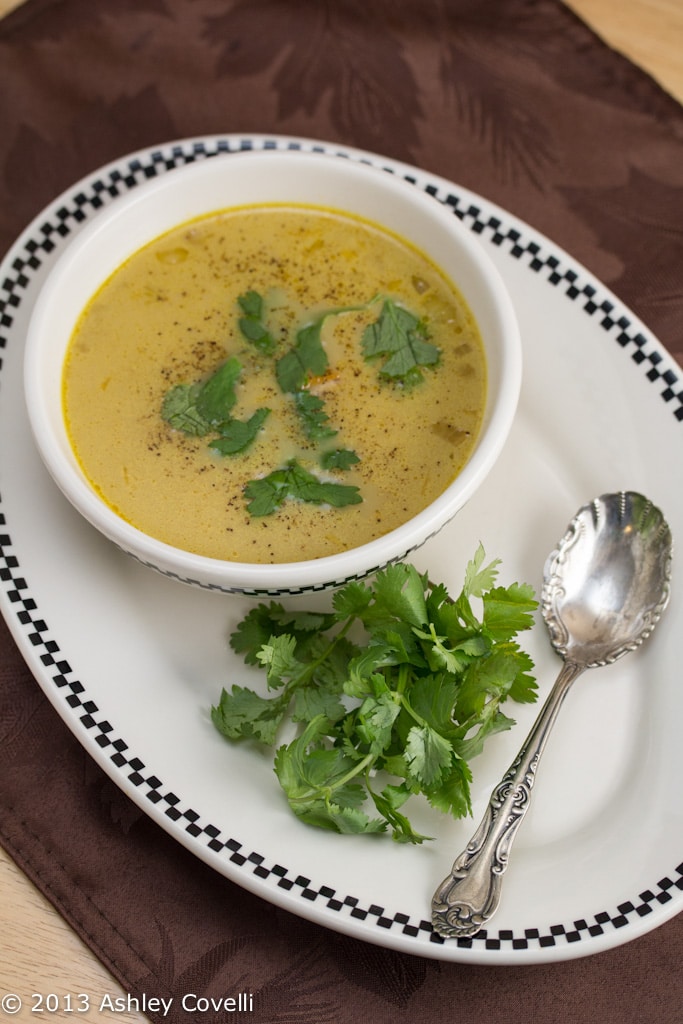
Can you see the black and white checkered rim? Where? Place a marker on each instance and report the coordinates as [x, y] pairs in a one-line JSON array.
[[43, 243]]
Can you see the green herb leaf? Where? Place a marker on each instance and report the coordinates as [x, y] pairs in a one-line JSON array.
[[432, 699], [352, 600], [452, 795], [508, 610], [255, 630], [307, 487], [307, 358], [310, 701], [266, 621], [314, 419], [251, 304], [196, 409], [387, 803], [428, 754], [251, 324], [524, 687], [479, 577], [403, 338], [339, 458], [244, 714], [257, 334], [278, 657], [237, 435], [400, 594], [375, 721], [319, 783], [267, 494], [179, 409], [217, 395]]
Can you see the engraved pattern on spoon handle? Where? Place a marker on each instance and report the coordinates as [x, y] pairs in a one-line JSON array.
[[470, 894]]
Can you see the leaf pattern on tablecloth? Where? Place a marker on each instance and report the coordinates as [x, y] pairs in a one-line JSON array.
[[167, 976], [393, 975], [52, 162], [304, 992], [121, 810], [495, 90], [645, 208], [47, 22], [20, 723], [298, 990], [345, 57], [501, 117]]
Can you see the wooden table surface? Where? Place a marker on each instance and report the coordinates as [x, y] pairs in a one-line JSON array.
[[39, 953]]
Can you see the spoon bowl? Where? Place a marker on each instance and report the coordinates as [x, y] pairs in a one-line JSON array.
[[605, 587], [607, 583]]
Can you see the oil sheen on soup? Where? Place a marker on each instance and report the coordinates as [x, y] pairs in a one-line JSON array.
[[354, 364]]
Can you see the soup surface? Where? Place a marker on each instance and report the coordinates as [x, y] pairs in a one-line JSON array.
[[255, 301]]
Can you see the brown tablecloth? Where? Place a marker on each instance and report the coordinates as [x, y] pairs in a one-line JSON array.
[[515, 99]]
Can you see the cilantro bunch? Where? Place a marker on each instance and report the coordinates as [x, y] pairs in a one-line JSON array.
[[396, 711]]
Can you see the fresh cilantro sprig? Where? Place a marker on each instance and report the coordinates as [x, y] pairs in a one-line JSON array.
[[339, 458], [306, 358], [266, 494], [205, 408], [396, 712], [252, 325], [403, 339], [313, 418], [236, 435], [198, 408]]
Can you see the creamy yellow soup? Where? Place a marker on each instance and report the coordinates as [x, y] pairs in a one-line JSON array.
[[170, 316]]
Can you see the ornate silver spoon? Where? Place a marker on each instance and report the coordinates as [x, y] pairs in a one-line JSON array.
[[604, 589]]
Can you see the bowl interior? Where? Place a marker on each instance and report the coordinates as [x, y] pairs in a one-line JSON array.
[[242, 180]]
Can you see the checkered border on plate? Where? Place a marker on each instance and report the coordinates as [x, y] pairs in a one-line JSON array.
[[41, 243]]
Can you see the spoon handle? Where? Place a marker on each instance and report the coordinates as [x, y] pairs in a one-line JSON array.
[[468, 897]]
